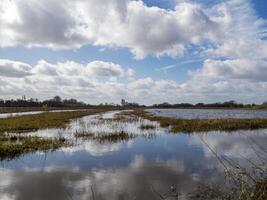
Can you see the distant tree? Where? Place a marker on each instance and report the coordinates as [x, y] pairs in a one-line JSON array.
[[57, 99]]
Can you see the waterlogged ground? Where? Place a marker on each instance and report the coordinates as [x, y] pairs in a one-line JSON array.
[[150, 164]]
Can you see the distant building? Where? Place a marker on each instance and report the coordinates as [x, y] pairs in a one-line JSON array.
[[123, 102]]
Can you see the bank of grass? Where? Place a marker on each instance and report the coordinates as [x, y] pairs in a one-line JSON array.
[[15, 146], [202, 125], [33, 109], [29, 123]]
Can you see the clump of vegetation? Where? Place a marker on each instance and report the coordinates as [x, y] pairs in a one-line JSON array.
[[15, 146], [202, 125], [122, 117], [83, 135], [114, 137], [241, 191], [28, 123], [147, 127]]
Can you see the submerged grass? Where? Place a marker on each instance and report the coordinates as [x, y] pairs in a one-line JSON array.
[[202, 125]]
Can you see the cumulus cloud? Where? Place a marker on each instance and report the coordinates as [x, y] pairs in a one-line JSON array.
[[97, 78], [9, 68], [228, 36], [38, 23], [72, 79], [105, 69], [91, 70], [253, 70], [131, 24]]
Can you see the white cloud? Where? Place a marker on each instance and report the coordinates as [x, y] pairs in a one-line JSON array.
[[228, 35], [38, 23], [131, 24], [93, 69], [72, 79], [253, 70], [9, 68], [105, 69]]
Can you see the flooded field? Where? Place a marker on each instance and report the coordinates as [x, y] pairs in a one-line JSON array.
[[116, 156], [209, 113]]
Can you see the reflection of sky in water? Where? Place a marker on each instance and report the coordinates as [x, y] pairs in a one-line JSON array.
[[209, 113], [126, 169], [101, 124]]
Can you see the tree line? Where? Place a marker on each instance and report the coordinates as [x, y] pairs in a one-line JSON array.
[[57, 101], [226, 104]]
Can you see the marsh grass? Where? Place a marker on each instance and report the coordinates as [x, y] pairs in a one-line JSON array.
[[202, 125], [84, 135], [147, 127], [29, 123], [13, 145], [114, 137], [16, 146], [122, 117]]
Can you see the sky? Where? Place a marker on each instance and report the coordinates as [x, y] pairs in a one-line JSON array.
[[148, 51]]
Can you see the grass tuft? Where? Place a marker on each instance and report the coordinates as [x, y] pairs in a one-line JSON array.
[[114, 137], [147, 127]]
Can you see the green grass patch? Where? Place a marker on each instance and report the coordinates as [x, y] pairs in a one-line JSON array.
[[29, 123], [15, 146], [203, 125]]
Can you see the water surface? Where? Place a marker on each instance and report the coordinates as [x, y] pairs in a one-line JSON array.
[[209, 113], [153, 162]]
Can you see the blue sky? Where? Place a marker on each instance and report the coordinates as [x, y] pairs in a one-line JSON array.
[[175, 63]]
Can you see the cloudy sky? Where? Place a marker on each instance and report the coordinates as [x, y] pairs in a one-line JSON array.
[[146, 51]]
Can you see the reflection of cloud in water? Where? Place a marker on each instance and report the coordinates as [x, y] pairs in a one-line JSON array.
[[124, 170], [94, 148], [133, 182], [100, 124], [239, 144]]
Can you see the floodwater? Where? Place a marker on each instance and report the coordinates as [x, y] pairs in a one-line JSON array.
[[154, 162], [209, 113]]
